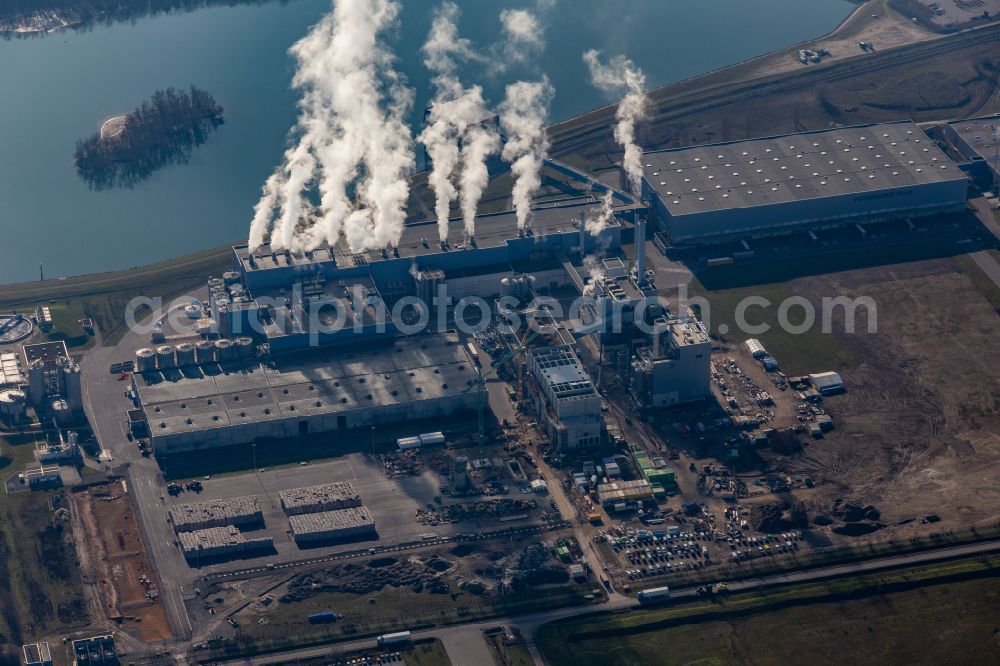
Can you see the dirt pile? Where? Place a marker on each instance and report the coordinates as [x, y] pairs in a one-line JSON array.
[[788, 514], [416, 574], [858, 520], [530, 567]]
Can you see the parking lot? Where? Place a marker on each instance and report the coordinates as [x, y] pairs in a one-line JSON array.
[[693, 542]]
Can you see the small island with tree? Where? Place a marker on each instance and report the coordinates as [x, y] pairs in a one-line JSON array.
[[162, 130]]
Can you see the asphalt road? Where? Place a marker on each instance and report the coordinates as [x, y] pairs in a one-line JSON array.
[[465, 639], [106, 404]]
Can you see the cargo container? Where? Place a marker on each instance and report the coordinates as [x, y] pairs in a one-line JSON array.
[[720, 261], [394, 638], [407, 443], [431, 438], [654, 595], [321, 618]]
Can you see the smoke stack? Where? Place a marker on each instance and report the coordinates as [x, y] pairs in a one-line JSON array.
[[583, 235], [640, 250]]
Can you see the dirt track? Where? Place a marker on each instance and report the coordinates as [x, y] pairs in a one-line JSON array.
[[115, 550]]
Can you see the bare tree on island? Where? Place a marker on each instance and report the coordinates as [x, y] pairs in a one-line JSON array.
[[162, 130]]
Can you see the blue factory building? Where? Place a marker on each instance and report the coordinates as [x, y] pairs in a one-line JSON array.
[[297, 298]]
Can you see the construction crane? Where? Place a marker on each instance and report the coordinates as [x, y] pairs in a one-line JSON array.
[[480, 385]]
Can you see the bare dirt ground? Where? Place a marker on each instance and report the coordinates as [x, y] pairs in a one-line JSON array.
[[114, 549], [918, 430], [888, 30]]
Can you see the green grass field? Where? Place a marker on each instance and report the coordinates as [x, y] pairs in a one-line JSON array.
[[515, 654], [812, 351], [40, 589], [982, 282], [387, 610], [938, 614]]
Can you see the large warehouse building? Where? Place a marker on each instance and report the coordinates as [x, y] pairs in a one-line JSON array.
[[811, 180], [333, 389], [978, 141]]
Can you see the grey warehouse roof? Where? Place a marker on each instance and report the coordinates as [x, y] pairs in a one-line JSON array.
[[341, 492], [327, 521], [981, 134], [317, 381], [563, 372], [795, 167]]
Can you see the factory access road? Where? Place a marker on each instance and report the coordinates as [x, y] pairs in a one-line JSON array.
[[528, 624], [105, 404]]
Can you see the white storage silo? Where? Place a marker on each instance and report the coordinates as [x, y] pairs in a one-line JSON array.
[[205, 352], [72, 386], [165, 357], [185, 355], [224, 350], [145, 360], [36, 382], [245, 347]]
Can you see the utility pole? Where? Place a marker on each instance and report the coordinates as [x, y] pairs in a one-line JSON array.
[[480, 391], [996, 153]]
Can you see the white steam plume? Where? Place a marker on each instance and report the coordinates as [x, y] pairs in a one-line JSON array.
[[522, 35], [351, 132], [480, 142], [621, 75], [522, 115], [596, 223], [454, 135]]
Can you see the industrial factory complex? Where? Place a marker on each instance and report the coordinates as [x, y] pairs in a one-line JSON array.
[[277, 370], [472, 391]]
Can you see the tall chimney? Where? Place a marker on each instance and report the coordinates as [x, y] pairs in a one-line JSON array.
[[640, 249], [583, 235]]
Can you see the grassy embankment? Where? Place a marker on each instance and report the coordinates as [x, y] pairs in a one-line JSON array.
[[943, 613], [104, 296], [982, 282], [40, 589], [514, 654], [387, 610]]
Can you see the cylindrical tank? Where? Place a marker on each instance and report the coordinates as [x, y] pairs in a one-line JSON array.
[[507, 288], [185, 355], [62, 412], [224, 350], [231, 277], [165, 357], [245, 347], [12, 404], [36, 381], [72, 386], [145, 360], [205, 352]]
